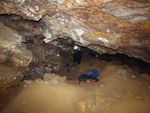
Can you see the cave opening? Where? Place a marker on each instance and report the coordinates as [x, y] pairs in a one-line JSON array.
[[52, 58], [123, 79]]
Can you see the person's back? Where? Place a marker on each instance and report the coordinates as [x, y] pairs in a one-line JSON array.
[[92, 76], [93, 72], [77, 56]]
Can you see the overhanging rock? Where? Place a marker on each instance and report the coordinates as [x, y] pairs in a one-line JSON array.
[[113, 26]]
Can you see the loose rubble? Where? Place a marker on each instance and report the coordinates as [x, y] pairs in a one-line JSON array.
[[53, 79]]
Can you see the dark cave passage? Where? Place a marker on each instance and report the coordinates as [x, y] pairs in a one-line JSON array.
[[51, 58], [33, 73]]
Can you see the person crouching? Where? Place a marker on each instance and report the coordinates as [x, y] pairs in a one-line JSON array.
[[90, 76]]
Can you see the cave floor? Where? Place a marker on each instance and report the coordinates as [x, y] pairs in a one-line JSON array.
[[121, 89]]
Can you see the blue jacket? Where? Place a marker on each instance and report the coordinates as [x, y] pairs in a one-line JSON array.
[[93, 72]]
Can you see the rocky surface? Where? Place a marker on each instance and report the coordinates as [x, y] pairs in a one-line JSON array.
[[13, 56], [24, 27], [9, 76], [54, 79], [120, 89], [47, 58], [112, 26], [106, 26], [12, 48]]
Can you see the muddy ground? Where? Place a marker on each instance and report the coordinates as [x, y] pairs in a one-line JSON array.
[[124, 87]]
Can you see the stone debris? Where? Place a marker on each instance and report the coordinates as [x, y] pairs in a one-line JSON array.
[[39, 80], [83, 107], [27, 82], [47, 79], [53, 79], [145, 76], [25, 85], [45, 60], [133, 76], [93, 105]]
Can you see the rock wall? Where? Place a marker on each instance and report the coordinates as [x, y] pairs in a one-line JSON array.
[[13, 56], [106, 26], [12, 48]]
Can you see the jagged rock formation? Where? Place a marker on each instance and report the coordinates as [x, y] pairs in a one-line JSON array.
[[105, 26], [11, 49]]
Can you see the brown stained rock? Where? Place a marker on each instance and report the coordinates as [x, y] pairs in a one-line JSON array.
[[22, 26], [116, 26], [12, 48], [9, 75], [13, 56], [3, 55], [54, 79], [22, 59]]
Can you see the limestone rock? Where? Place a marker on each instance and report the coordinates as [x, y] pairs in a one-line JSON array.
[[3, 55], [9, 75], [145, 76], [83, 107], [11, 47], [14, 56], [54, 79], [112, 26], [39, 80], [24, 27], [45, 59]]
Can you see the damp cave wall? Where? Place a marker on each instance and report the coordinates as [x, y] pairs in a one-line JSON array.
[[103, 26]]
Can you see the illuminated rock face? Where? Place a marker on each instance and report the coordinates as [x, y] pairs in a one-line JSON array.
[[11, 47], [14, 52], [106, 26]]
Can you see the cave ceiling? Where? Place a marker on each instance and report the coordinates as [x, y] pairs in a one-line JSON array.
[[105, 26]]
